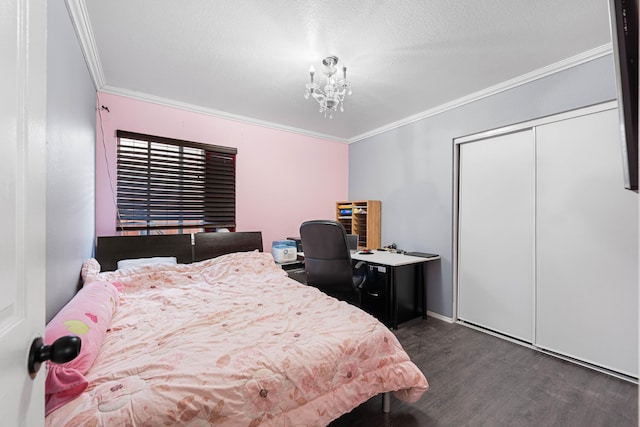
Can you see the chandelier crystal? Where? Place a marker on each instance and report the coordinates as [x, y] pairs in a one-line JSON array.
[[330, 95]]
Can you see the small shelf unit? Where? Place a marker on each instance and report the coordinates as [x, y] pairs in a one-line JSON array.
[[361, 217]]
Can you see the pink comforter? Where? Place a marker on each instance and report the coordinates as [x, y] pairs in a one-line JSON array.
[[232, 341]]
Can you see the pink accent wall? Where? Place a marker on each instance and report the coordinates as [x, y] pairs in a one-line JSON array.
[[282, 178]]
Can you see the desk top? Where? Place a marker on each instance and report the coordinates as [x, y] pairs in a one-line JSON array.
[[390, 258]]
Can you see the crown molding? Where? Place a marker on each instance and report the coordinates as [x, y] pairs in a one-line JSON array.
[[215, 113], [82, 26], [565, 64]]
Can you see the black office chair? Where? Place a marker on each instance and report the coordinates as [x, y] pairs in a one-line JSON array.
[[327, 261]]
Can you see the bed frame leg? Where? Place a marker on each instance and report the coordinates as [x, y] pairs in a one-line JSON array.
[[386, 402]]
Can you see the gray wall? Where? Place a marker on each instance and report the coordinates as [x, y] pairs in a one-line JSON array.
[[71, 99], [410, 169]]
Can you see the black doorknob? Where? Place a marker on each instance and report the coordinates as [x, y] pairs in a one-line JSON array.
[[63, 350]]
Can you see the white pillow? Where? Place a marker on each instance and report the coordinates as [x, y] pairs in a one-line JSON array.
[[127, 263]]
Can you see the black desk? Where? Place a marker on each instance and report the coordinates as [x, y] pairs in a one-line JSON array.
[[396, 282]]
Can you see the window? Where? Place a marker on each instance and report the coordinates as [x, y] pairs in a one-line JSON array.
[[170, 186]]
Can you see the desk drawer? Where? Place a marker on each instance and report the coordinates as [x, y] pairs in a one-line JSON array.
[[376, 293]]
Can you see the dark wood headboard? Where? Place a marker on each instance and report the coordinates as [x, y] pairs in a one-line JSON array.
[[111, 249], [211, 245]]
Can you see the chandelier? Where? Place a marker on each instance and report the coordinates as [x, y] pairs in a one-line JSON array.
[[331, 93]]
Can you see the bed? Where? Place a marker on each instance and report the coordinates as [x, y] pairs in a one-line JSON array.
[[220, 336]]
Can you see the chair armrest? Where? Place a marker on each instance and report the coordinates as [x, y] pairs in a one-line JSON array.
[[361, 268]]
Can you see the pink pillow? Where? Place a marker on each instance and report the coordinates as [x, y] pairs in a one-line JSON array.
[[88, 316]]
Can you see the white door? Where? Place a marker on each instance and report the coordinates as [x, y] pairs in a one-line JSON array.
[[22, 206], [587, 244], [496, 232]]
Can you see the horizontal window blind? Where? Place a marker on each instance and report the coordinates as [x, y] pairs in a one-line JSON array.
[[164, 183]]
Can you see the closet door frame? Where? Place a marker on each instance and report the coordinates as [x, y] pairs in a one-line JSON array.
[[456, 174]]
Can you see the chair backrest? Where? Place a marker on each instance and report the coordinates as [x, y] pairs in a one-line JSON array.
[[352, 240], [327, 258]]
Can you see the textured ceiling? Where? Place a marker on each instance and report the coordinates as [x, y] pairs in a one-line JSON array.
[[249, 59]]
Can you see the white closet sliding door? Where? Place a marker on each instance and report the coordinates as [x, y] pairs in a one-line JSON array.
[[587, 244], [496, 233]]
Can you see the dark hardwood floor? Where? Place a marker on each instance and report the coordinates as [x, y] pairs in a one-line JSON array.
[[480, 380]]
